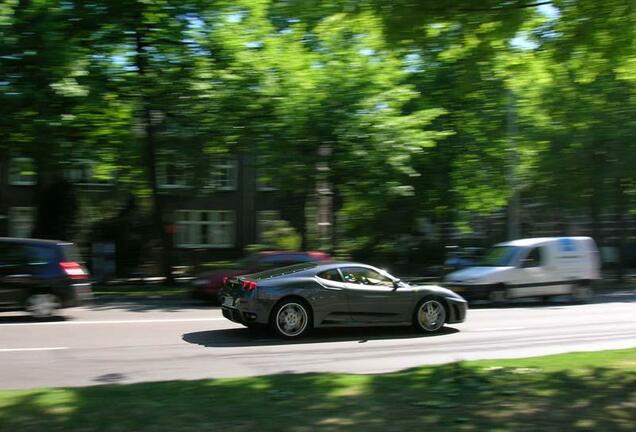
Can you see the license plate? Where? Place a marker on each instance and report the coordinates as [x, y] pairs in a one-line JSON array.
[[228, 301]]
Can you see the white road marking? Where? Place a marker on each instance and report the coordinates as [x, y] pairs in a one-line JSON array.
[[32, 349], [132, 321]]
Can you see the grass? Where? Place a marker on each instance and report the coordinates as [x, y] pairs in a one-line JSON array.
[[582, 391]]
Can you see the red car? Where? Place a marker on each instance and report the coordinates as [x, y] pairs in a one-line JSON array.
[[207, 285]]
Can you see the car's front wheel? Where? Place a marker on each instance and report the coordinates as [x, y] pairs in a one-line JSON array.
[[430, 315], [291, 319], [42, 305]]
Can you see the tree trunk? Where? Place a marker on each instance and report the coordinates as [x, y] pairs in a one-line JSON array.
[[595, 198], [621, 226], [150, 156]]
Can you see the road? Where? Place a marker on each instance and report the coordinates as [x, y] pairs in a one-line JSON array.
[[124, 343]]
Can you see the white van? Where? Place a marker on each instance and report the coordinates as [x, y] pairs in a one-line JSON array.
[[534, 267]]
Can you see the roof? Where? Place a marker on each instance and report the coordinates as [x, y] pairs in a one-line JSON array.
[[536, 241]]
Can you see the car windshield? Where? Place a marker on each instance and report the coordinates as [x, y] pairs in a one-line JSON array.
[[282, 271], [500, 256]]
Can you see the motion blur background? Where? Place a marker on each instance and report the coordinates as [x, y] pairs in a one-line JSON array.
[[163, 135]]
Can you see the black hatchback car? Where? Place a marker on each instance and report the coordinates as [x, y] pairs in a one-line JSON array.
[[41, 276]]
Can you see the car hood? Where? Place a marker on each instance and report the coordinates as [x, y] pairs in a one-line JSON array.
[[477, 274], [436, 289]]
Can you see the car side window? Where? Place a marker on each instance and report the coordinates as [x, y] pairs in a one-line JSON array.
[[12, 255], [332, 275], [533, 259], [40, 255], [365, 276]]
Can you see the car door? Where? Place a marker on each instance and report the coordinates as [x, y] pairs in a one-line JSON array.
[[373, 296], [333, 302], [531, 278], [14, 274]]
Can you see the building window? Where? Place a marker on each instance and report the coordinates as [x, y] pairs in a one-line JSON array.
[[264, 184], [266, 219], [204, 228], [83, 171], [22, 171], [224, 174], [21, 221], [172, 173]]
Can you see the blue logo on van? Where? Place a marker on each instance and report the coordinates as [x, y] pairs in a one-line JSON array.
[[567, 245]]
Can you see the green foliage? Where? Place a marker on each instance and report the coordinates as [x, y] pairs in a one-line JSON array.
[[279, 235], [405, 108]]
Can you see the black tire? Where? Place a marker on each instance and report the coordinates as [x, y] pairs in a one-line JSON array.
[[499, 295], [582, 292], [42, 305], [291, 318], [430, 315]]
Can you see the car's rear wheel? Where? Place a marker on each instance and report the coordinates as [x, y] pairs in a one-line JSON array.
[[42, 305], [430, 315], [582, 292], [291, 319], [499, 295]]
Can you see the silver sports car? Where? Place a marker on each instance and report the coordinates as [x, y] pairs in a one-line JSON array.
[[293, 300]]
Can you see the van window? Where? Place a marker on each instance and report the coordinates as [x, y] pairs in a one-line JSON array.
[[535, 258], [500, 256]]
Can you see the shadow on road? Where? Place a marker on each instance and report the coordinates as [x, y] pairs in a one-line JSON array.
[[27, 319], [239, 337], [149, 305]]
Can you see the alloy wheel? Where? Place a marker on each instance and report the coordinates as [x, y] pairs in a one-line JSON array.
[[42, 305], [292, 319], [431, 315]]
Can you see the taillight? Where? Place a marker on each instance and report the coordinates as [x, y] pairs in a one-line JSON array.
[[249, 285], [225, 279], [73, 270]]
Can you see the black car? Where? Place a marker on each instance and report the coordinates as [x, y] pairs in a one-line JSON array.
[[41, 276]]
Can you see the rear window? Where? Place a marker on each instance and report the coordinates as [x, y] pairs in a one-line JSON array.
[[332, 275], [282, 271], [70, 252]]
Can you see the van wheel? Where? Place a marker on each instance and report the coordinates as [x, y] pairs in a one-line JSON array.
[[42, 305], [498, 295], [582, 292]]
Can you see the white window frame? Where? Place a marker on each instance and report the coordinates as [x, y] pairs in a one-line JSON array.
[[14, 218], [216, 228], [16, 179], [228, 168]]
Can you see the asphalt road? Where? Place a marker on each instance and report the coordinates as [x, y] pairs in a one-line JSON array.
[[132, 342]]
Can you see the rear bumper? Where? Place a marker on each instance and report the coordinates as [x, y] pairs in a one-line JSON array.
[[238, 316], [76, 294]]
